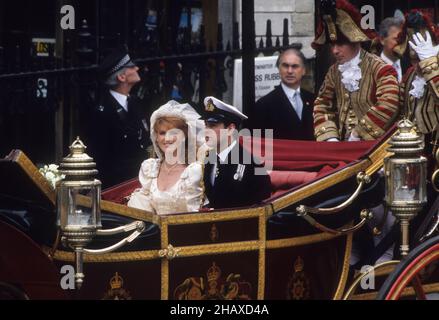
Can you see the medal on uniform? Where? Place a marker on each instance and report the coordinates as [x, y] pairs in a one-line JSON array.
[[239, 172]]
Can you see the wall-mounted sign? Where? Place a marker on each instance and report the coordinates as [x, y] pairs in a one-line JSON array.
[[43, 47], [266, 77]]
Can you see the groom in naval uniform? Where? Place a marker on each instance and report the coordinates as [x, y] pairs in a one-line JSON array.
[[231, 176], [120, 135]]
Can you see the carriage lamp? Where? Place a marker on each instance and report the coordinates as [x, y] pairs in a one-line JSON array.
[[406, 173], [78, 198]]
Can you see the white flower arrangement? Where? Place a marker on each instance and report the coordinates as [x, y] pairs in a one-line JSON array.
[[51, 173]]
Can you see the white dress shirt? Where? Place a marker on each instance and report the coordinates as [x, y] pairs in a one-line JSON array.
[[294, 98], [121, 99], [396, 64], [222, 157]]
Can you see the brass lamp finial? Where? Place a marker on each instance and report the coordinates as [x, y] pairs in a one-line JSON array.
[[407, 141], [78, 165], [78, 146]]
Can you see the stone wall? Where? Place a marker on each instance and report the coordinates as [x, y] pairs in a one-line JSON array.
[[300, 15]]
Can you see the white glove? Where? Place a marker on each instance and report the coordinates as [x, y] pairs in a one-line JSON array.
[[332, 140], [424, 47]]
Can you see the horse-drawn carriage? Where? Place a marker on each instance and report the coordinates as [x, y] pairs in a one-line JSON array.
[[294, 245]]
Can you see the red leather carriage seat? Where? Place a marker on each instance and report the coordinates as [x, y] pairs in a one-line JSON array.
[[282, 181], [295, 163]]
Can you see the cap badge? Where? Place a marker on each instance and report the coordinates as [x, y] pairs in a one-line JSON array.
[[210, 106]]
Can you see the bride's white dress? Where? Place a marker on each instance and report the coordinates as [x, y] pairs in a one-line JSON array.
[[186, 195]]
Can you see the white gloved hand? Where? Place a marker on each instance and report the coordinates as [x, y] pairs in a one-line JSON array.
[[424, 47], [332, 140]]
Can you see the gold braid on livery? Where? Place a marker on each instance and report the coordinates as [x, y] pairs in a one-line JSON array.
[[371, 110], [424, 110], [430, 71]]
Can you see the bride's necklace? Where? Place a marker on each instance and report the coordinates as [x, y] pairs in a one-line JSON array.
[[169, 169]]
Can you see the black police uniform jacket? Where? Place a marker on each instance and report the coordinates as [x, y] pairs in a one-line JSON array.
[[229, 189], [119, 140], [274, 111]]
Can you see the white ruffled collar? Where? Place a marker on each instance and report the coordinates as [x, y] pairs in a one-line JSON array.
[[351, 73], [418, 87]]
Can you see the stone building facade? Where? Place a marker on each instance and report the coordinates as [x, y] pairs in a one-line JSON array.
[[301, 20]]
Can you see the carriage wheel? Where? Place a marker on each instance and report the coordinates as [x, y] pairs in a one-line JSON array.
[[11, 292], [409, 278], [378, 269]]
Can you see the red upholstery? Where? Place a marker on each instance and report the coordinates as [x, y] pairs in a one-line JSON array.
[[293, 163], [291, 155], [282, 181], [121, 192]]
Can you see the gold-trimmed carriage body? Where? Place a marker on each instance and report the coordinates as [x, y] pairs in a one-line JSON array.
[[244, 253]]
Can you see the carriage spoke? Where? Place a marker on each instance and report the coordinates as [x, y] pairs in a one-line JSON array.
[[417, 286]]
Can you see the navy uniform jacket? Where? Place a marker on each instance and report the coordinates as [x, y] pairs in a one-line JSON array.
[[228, 192], [274, 111], [119, 140]]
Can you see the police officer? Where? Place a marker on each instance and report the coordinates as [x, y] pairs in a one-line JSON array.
[[120, 127], [231, 176]]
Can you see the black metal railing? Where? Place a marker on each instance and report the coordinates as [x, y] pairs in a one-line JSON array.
[[46, 102]]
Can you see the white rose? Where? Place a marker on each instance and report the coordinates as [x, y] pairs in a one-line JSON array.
[[50, 175]]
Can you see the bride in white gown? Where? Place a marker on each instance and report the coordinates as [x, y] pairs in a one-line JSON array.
[[173, 182]]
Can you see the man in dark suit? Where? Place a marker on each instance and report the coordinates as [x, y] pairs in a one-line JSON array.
[[231, 176], [120, 134], [288, 109]]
